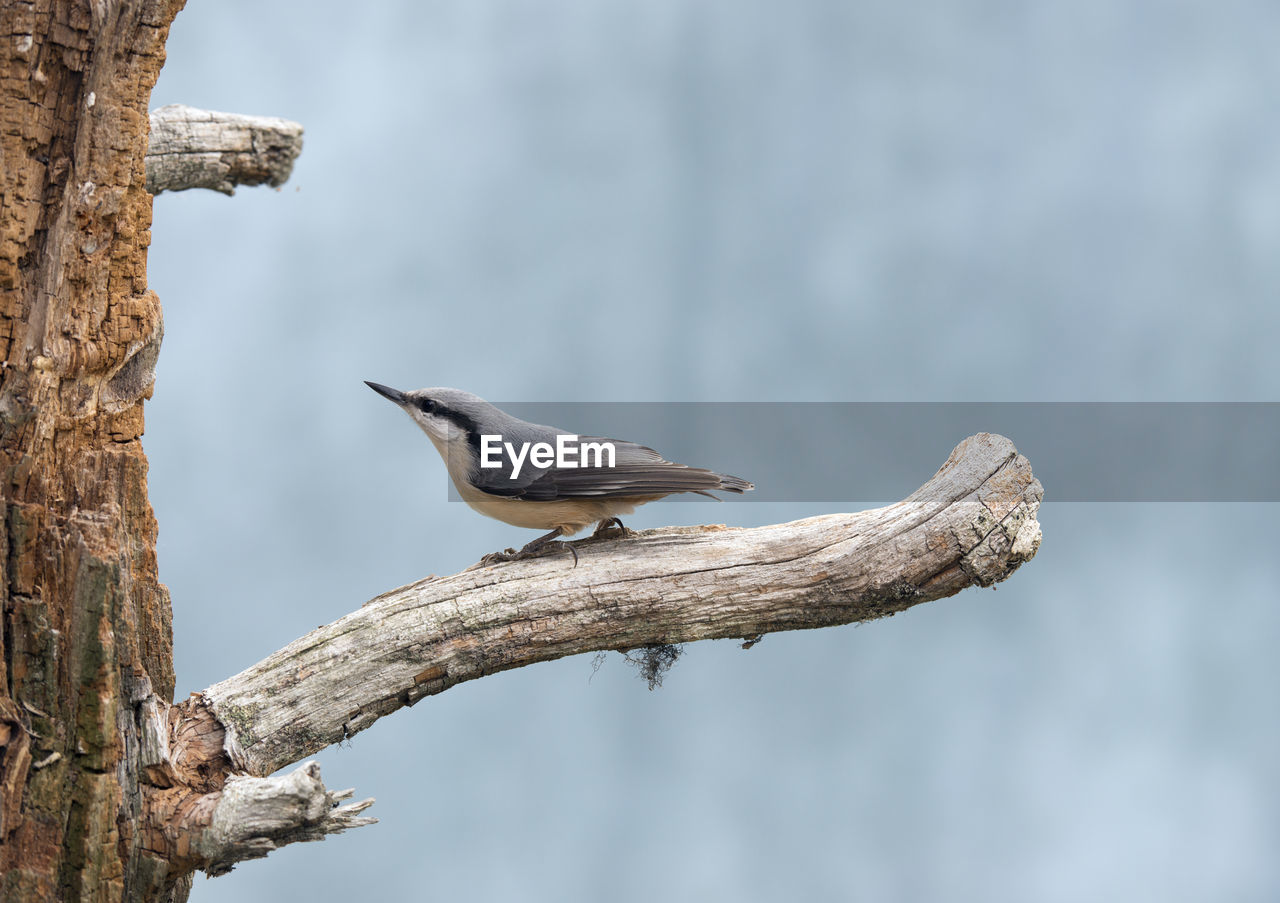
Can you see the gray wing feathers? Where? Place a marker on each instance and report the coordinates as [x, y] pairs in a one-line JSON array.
[[638, 471]]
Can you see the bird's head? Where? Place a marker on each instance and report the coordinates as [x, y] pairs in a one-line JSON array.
[[448, 416]]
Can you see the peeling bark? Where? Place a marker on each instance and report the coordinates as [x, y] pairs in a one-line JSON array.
[[85, 623]]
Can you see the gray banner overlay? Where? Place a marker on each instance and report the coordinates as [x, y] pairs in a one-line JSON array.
[[879, 452]]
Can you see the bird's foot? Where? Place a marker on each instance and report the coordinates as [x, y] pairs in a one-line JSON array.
[[498, 557], [612, 528], [535, 549]]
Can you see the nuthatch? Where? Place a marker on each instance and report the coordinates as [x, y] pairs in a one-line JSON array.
[[502, 466]]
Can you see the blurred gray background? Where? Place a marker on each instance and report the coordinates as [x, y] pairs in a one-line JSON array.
[[683, 200]]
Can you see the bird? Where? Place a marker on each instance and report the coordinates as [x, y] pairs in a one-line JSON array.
[[512, 470]]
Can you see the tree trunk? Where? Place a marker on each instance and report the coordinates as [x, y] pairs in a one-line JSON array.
[[86, 623]]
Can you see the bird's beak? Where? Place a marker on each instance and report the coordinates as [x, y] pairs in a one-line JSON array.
[[387, 392]]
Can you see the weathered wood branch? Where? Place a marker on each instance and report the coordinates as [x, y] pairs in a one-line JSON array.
[[191, 148], [200, 815], [254, 816], [209, 804], [974, 522], [246, 819]]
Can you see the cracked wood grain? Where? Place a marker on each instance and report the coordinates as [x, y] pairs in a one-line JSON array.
[[85, 624], [973, 523], [257, 815], [191, 148], [246, 819]]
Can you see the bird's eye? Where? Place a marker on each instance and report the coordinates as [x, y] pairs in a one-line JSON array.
[[427, 405]]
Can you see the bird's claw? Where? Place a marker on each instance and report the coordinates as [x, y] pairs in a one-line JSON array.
[[533, 550], [612, 528], [498, 557]]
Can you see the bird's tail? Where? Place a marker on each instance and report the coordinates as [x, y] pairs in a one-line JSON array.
[[734, 484]]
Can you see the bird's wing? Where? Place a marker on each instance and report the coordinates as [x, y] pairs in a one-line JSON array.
[[637, 471]]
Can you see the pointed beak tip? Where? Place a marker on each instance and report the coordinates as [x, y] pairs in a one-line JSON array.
[[386, 392]]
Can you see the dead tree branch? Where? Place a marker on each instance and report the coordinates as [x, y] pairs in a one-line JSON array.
[[192, 148], [257, 815], [209, 803], [974, 522]]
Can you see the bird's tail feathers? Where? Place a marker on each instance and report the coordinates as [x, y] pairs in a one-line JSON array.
[[734, 484]]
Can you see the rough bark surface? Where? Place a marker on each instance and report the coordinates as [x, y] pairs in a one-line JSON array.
[[973, 523], [85, 624], [193, 148]]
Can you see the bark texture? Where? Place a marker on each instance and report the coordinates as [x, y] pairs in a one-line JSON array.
[[193, 148], [973, 523], [85, 624]]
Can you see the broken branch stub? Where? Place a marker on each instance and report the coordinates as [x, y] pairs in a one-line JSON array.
[[191, 148], [257, 815]]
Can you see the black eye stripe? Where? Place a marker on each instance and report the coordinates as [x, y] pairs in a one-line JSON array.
[[457, 418]]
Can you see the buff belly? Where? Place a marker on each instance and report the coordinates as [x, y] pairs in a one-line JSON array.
[[569, 516]]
